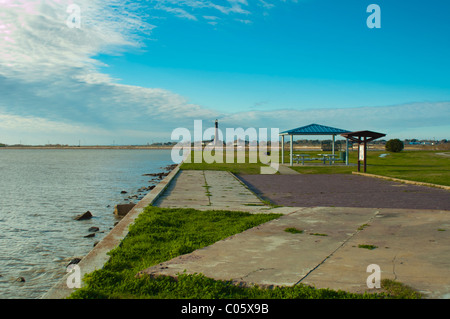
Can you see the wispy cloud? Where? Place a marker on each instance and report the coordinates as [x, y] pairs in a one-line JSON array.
[[48, 71], [179, 12], [225, 7], [50, 83], [193, 9], [394, 120]]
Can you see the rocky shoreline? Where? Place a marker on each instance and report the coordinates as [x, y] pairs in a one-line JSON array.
[[129, 201]]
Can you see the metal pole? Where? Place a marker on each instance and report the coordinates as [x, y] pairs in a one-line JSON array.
[[332, 150], [282, 149], [346, 151], [359, 162], [291, 155], [365, 154], [216, 133]]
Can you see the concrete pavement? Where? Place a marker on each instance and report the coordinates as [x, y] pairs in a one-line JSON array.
[[211, 190], [411, 246]]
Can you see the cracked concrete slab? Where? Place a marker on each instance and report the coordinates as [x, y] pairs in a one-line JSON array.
[[208, 190], [267, 254], [412, 248]]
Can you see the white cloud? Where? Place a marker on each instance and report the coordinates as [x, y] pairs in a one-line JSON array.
[[244, 21], [42, 45], [179, 12], [49, 76], [395, 120], [50, 84]]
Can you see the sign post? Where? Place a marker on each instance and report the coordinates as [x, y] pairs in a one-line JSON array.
[[362, 138]]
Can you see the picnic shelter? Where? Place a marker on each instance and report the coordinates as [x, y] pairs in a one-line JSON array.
[[312, 129]]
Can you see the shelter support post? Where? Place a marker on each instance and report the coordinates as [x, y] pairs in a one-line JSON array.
[[365, 154], [359, 162], [291, 150], [346, 151], [332, 146], [362, 138], [282, 149]]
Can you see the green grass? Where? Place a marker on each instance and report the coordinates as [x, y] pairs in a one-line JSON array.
[[159, 235], [293, 230], [421, 166], [363, 226], [370, 247], [399, 290], [235, 168], [197, 286]]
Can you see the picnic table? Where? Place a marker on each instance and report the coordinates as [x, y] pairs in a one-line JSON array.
[[302, 157], [322, 157], [328, 157]]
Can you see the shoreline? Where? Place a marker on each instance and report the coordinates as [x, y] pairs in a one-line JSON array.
[[93, 147], [98, 255], [170, 147]]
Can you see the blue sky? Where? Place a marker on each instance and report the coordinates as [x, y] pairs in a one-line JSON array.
[[135, 71]]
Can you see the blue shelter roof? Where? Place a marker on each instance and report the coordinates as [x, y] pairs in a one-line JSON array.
[[315, 129]]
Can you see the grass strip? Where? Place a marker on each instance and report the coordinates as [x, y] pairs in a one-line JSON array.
[[158, 235]]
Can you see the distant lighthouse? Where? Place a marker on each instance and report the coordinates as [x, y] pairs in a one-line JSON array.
[[216, 133]]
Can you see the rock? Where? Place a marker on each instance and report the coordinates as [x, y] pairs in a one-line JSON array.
[[84, 216], [123, 192], [170, 167], [89, 235], [93, 229], [20, 279], [73, 261], [159, 175], [123, 209]]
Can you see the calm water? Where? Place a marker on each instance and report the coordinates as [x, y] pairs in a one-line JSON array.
[[41, 191]]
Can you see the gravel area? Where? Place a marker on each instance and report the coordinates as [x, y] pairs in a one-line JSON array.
[[344, 190]]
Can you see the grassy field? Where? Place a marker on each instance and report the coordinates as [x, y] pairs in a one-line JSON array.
[[422, 166], [160, 234], [236, 168]]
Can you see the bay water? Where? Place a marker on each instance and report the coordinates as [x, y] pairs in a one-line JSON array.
[[42, 190]]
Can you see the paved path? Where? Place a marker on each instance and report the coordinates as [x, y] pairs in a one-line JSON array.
[[206, 190], [345, 190], [412, 246]]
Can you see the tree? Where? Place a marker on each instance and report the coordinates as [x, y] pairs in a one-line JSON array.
[[394, 145]]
